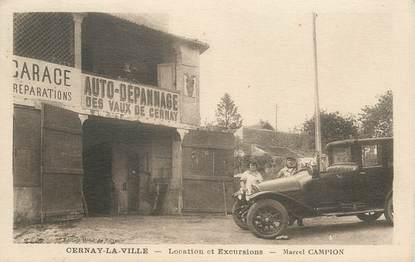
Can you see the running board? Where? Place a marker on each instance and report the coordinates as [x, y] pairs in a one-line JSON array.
[[339, 214]]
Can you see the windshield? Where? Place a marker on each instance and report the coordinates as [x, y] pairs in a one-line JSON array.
[[341, 155]]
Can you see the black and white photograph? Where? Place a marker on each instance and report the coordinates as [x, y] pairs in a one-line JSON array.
[[209, 131]]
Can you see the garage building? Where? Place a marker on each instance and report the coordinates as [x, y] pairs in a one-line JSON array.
[[106, 121]]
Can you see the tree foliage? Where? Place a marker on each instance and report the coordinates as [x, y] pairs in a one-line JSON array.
[[227, 115], [266, 125], [333, 127], [377, 120]]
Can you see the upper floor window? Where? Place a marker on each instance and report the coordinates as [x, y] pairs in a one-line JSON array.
[[127, 52], [45, 36]]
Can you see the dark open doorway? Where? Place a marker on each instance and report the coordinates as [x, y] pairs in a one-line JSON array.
[[97, 158], [127, 167]]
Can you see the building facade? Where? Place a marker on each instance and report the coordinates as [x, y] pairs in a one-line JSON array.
[[107, 121]]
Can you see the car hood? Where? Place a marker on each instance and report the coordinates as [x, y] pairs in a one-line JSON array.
[[285, 184]]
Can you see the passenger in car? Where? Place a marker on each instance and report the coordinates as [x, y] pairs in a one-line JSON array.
[[290, 168], [269, 172], [249, 179]]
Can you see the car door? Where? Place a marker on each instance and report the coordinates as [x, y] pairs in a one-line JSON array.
[[373, 172], [335, 186], [327, 191]]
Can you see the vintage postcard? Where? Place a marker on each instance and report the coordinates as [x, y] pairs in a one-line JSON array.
[[207, 131]]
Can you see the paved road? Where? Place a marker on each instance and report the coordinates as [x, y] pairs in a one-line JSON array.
[[202, 230]]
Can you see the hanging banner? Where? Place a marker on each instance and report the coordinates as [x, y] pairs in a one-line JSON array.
[[36, 80], [123, 100]]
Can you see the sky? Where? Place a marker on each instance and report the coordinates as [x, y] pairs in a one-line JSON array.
[[263, 58], [261, 53]]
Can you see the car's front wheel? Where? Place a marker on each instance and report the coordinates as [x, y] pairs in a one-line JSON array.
[[239, 213], [369, 216], [389, 210], [267, 218]]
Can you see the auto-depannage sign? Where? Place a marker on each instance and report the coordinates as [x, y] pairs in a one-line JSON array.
[[36, 80], [117, 99]]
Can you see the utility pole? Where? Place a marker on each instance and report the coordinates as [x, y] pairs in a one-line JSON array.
[[276, 119], [276, 125], [316, 99]]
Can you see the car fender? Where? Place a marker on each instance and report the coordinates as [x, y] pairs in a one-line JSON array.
[[388, 195], [290, 203]]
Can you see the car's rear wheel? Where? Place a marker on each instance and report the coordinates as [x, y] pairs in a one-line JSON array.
[[369, 216], [239, 213], [389, 210], [267, 218]]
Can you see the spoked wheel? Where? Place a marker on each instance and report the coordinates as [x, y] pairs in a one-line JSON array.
[[239, 213], [267, 218], [369, 216], [389, 210]]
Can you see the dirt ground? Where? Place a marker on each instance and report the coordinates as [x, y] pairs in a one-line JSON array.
[[201, 230]]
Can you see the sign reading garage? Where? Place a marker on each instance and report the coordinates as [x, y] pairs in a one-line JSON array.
[[38, 80]]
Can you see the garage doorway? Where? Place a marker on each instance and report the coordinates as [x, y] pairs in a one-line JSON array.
[[98, 186], [126, 166]]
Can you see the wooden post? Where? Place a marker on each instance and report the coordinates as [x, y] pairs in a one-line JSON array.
[[175, 191], [213, 163], [84, 203], [42, 163], [224, 198], [77, 45]]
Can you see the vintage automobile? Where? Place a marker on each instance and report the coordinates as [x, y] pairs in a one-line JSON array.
[[357, 181]]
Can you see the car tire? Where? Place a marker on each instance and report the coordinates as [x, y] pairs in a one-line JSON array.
[[369, 216], [267, 218], [239, 214], [389, 210]]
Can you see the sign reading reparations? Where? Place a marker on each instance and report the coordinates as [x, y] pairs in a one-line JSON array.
[[116, 99], [38, 80]]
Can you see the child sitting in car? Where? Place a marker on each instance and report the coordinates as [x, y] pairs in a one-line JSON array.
[[248, 180]]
